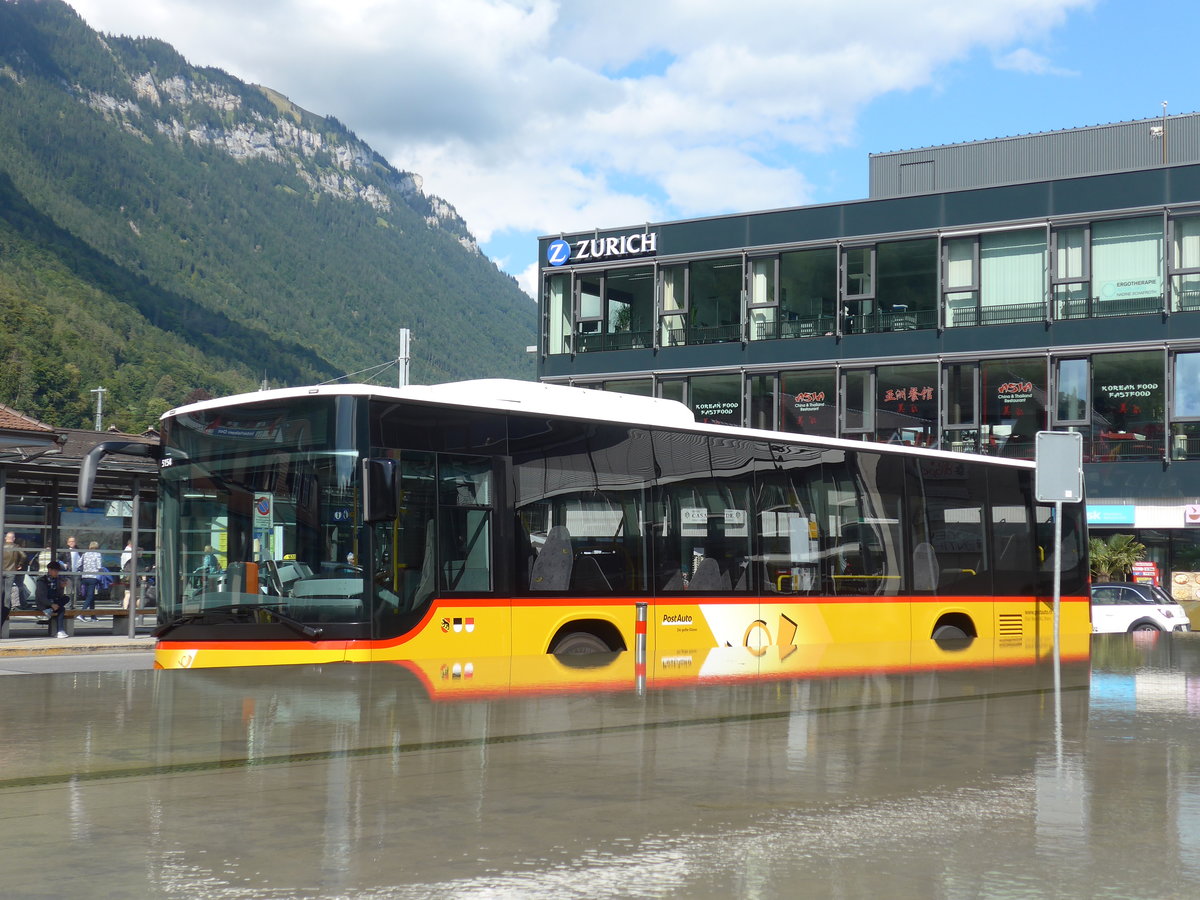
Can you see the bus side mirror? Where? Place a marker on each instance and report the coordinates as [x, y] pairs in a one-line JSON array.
[[380, 490]]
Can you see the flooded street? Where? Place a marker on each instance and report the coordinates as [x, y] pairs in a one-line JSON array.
[[392, 781]]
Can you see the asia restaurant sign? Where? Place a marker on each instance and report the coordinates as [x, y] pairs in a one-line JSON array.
[[1012, 397], [561, 252], [908, 399]]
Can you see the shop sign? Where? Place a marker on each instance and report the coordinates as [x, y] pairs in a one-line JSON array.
[[1110, 515], [561, 252]]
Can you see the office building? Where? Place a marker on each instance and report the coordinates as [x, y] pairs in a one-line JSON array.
[[983, 292]]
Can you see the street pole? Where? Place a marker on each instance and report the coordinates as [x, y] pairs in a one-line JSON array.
[[99, 392]]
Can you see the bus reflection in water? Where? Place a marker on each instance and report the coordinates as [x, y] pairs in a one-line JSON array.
[[496, 519]]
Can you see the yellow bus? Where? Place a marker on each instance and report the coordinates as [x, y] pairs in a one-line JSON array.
[[497, 518]]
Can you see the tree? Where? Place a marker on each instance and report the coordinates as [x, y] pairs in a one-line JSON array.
[[1114, 558]]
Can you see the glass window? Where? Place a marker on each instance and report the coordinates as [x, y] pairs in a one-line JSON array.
[[808, 292], [858, 401], [701, 514], [1012, 266], [961, 281], [629, 308], [715, 301], [1128, 409], [764, 316], [859, 263], [579, 494], [1127, 266], [948, 511], [1013, 394], [906, 408], [673, 306], [807, 402], [716, 399], [642, 387], [907, 285], [558, 314], [1185, 263], [762, 401], [1072, 389], [961, 425]]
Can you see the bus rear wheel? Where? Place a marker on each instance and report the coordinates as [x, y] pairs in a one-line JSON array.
[[949, 633], [579, 642]]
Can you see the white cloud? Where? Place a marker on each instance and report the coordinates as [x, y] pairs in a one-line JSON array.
[[1030, 63], [542, 115]]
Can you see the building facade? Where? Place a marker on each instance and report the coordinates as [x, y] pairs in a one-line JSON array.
[[984, 292]]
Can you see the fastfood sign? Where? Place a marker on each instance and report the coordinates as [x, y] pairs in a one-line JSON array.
[[561, 252]]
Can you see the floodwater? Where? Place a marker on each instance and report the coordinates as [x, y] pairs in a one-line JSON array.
[[374, 781]]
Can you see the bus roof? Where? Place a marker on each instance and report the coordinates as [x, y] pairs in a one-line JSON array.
[[538, 398]]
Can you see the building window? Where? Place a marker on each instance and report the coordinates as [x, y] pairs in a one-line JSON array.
[[558, 314], [996, 279], [1070, 251], [808, 402], [1185, 407], [589, 313], [715, 301], [906, 406], [960, 281], [716, 399], [1127, 266], [960, 428], [1013, 394], [858, 402], [1127, 406], [858, 289], [762, 401], [808, 293], [763, 301], [1071, 392], [672, 306], [1185, 264], [907, 285], [641, 387]]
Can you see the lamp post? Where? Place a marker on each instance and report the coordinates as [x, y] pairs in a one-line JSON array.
[[99, 392]]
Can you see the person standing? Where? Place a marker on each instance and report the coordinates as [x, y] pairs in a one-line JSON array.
[[89, 568], [11, 565], [72, 559], [50, 597]]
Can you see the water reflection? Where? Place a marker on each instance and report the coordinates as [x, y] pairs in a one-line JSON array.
[[893, 771]]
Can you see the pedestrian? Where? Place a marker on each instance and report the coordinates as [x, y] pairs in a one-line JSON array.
[[72, 559], [51, 598], [11, 566], [90, 565], [26, 563]]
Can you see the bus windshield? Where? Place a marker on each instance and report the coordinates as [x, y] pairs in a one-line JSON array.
[[262, 506]]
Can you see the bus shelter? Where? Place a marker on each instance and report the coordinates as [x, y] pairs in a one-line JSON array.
[[39, 472]]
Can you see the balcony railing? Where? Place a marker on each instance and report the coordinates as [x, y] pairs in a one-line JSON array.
[[618, 340], [1005, 314], [1096, 308]]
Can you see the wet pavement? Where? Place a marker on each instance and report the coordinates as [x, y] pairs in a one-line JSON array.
[[433, 781]]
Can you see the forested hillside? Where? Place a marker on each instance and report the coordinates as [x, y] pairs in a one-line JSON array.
[[167, 230]]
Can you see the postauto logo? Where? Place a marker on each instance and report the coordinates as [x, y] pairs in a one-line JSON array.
[[561, 252]]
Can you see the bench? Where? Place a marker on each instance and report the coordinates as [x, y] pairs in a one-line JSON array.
[[118, 614]]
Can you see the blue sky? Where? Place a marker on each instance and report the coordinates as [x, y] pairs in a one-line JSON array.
[[538, 116]]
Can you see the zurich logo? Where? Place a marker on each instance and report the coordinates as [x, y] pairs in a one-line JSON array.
[[558, 253]]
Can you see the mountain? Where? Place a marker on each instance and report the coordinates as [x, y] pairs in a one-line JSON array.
[[168, 231]]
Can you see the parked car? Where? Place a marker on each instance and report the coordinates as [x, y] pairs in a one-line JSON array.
[[1126, 606]]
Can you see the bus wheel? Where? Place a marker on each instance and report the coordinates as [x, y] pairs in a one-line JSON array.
[[578, 642], [948, 633]]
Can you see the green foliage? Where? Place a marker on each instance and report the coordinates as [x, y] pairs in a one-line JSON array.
[[158, 266], [1114, 558]]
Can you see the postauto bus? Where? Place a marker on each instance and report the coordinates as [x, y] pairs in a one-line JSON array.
[[496, 518]]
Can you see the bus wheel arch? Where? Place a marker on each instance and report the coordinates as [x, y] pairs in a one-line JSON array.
[[954, 626], [586, 636]]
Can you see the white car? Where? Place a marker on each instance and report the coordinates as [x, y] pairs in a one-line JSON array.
[[1126, 606]]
